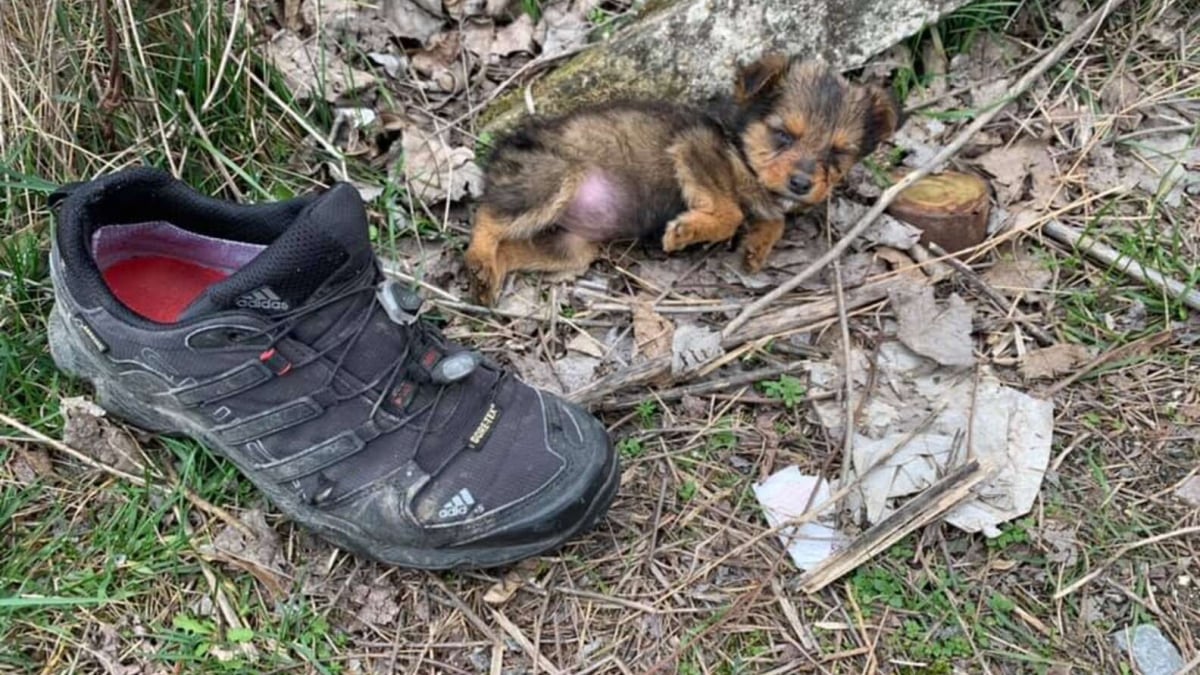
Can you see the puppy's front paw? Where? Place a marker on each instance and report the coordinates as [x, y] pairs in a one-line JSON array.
[[484, 280], [678, 235], [754, 257]]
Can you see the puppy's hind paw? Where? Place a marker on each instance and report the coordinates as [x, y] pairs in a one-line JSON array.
[[484, 281]]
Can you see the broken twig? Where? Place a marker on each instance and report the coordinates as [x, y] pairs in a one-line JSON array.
[[776, 323], [704, 388], [916, 513], [998, 299], [1093, 248], [949, 151], [1121, 352]]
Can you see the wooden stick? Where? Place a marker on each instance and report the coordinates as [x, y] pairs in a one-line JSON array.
[[196, 500], [848, 368], [949, 151], [1148, 342], [702, 388], [916, 513], [1069, 236], [779, 322], [998, 299], [1099, 569]]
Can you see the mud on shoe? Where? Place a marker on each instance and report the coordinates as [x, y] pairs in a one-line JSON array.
[[268, 333]]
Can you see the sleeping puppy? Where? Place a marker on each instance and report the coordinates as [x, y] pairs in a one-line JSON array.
[[557, 189]]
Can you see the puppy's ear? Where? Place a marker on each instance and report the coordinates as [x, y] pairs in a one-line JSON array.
[[884, 116], [761, 77]]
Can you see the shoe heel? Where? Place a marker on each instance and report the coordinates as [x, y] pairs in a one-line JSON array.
[[71, 356]]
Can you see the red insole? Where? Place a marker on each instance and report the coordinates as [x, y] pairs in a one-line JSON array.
[[157, 287]]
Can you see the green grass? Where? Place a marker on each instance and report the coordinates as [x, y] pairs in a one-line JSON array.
[[82, 552], [955, 34]]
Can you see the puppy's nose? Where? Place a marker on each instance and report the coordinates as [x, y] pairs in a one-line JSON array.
[[799, 184]]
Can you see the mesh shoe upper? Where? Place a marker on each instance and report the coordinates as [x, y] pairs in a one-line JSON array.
[[313, 374]]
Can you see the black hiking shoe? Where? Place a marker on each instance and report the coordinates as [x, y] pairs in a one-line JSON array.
[[268, 333]]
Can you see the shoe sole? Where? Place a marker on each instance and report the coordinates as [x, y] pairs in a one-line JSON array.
[[74, 357]]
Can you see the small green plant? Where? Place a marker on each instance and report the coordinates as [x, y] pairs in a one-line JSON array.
[[646, 412], [1015, 533], [723, 438], [630, 448], [533, 8], [787, 390], [687, 491]]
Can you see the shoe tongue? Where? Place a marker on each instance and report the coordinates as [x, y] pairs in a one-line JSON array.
[[329, 237]]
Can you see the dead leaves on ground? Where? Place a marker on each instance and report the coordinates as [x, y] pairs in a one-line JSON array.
[[88, 429], [437, 172], [320, 46], [1053, 361]]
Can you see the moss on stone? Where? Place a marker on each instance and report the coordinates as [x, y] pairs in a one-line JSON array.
[[591, 77]]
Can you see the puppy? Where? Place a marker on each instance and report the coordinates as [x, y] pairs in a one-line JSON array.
[[557, 189]]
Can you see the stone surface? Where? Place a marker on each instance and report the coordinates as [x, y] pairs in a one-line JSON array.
[[690, 49], [1152, 651]]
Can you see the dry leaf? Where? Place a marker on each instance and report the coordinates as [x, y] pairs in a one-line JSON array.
[[1011, 165], [516, 37], [885, 231], [1069, 14], [692, 346], [564, 26], [435, 172], [1018, 276], [376, 604], [586, 344], [477, 37], [440, 64], [411, 20], [1053, 361], [462, 9], [1189, 491], [1119, 97], [88, 430], [536, 373], [490, 43], [652, 334], [575, 371], [305, 67], [1060, 538], [1165, 171], [392, 64], [899, 260], [941, 333], [29, 464], [502, 591]]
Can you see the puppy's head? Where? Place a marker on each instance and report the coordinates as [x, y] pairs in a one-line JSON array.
[[804, 126]]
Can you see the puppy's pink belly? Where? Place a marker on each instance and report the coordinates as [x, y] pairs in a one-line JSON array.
[[601, 210]]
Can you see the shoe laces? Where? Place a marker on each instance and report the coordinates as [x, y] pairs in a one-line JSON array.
[[434, 365]]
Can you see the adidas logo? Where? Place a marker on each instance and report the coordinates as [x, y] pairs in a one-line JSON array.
[[262, 298], [458, 505]]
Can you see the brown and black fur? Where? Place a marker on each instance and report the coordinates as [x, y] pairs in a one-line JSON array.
[[559, 188]]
